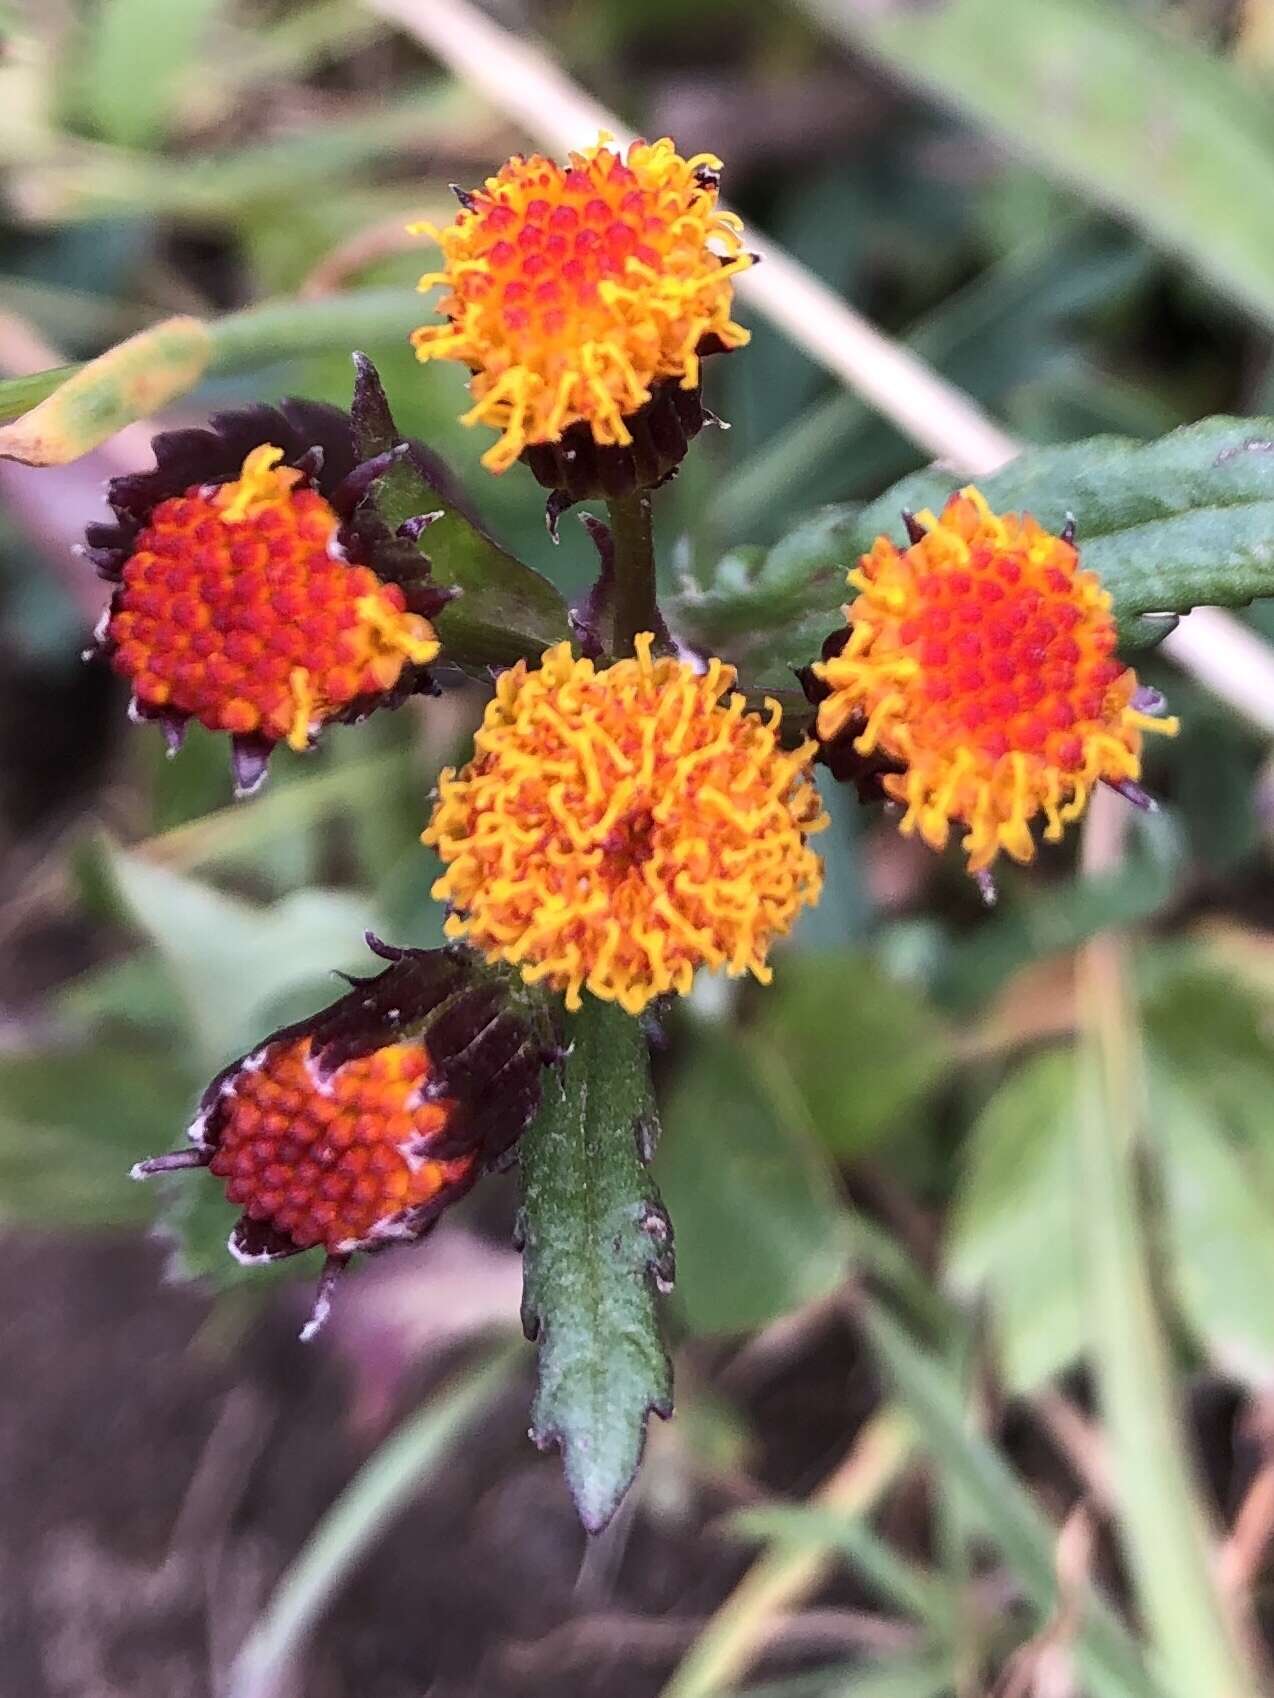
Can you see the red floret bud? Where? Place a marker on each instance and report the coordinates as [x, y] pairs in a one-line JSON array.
[[355, 1129]]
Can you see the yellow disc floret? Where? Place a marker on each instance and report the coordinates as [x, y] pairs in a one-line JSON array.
[[618, 829], [981, 660], [572, 291]]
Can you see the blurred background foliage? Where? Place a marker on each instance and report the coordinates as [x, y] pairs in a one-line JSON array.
[[1062, 204]]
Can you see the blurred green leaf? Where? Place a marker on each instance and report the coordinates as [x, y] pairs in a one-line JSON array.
[[235, 835], [760, 1228], [904, 1584], [1211, 1083], [234, 963], [597, 1242], [136, 377], [1016, 1235], [1033, 920], [73, 1122], [136, 992], [1013, 1235], [1163, 1525], [92, 181], [927, 1676], [1219, 1201], [1110, 1660], [861, 1049], [137, 58], [1111, 100], [991, 335], [257, 335]]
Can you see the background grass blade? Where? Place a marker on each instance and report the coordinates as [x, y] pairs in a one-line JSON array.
[[1104, 1650], [1170, 137], [780, 1579], [381, 1490], [1162, 1522]]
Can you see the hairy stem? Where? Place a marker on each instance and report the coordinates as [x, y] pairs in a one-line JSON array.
[[635, 609]]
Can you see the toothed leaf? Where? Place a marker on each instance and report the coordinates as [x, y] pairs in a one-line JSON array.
[[596, 1241]]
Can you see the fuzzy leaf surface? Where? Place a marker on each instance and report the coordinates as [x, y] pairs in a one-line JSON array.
[[596, 1244], [1167, 525]]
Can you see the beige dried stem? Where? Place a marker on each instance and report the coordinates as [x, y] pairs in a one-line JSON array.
[[519, 79]]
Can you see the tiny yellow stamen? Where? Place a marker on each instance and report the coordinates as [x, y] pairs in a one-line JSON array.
[[262, 483]]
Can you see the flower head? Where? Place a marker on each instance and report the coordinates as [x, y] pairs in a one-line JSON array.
[[573, 294], [617, 829], [355, 1129], [245, 599], [980, 663]]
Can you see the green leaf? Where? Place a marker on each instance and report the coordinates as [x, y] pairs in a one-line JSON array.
[[1013, 1234], [73, 1122], [1016, 1233], [505, 611], [1104, 1651], [1166, 525], [240, 968], [597, 1244], [138, 55], [760, 1226], [259, 335], [1219, 1201], [769, 609], [1211, 1082], [862, 1050], [1111, 100]]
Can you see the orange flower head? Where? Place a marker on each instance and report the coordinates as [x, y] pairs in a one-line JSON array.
[[354, 1129], [237, 607], [619, 828], [338, 1160], [572, 293], [981, 662]]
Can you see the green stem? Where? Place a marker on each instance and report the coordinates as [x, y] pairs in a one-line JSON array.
[[635, 609]]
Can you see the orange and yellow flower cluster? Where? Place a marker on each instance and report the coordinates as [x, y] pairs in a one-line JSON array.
[[624, 820]]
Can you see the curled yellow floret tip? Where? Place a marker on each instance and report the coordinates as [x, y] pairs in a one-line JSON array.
[[619, 828], [979, 665], [572, 291]]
